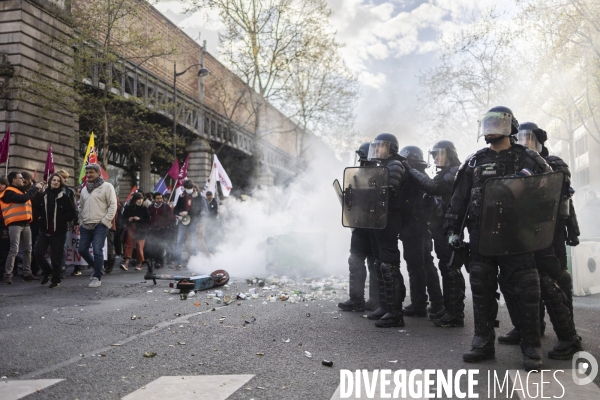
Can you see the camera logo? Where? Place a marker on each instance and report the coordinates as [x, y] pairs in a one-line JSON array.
[[584, 368]]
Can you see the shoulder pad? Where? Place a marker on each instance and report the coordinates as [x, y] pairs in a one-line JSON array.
[[450, 176], [556, 161], [467, 160], [534, 155]]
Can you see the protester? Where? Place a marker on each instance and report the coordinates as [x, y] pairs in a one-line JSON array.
[[97, 208], [109, 264], [147, 199], [137, 218], [161, 219], [17, 213], [4, 239], [69, 192], [56, 209], [28, 182], [191, 204]]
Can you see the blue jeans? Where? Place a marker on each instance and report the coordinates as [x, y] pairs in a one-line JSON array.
[[183, 232], [96, 237]]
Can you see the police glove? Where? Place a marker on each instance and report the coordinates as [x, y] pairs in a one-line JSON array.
[[572, 241], [454, 240]]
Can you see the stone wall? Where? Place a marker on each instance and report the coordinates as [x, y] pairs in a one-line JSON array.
[[28, 29]]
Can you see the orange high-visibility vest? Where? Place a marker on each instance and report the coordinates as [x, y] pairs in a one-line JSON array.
[[16, 212]]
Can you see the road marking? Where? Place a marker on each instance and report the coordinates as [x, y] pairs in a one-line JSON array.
[[552, 389], [17, 389], [157, 328], [214, 387]]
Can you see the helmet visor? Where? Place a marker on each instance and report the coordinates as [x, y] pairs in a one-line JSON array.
[[379, 150], [438, 156], [527, 138], [495, 123]]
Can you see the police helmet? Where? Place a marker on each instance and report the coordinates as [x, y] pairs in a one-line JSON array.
[[413, 154], [382, 147], [532, 136], [443, 153], [498, 120]]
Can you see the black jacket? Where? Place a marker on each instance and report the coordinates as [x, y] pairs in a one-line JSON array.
[[65, 212], [141, 226], [12, 197]]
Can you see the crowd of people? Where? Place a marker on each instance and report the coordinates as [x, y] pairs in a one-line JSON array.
[[37, 218], [421, 210]]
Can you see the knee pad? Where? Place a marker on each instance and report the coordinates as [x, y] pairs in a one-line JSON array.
[[356, 263], [527, 285], [482, 277]]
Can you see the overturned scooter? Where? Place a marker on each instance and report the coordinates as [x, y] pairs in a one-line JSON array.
[[188, 283]]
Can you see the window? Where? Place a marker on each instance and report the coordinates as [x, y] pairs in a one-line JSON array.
[[581, 146]]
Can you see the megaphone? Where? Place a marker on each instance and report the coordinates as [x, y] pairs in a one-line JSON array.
[[186, 219]]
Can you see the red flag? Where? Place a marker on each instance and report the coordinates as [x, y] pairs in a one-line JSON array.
[[49, 167], [133, 190], [174, 170], [4, 146], [182, 173]]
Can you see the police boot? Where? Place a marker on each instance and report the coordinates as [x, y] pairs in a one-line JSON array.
[[373, 302], [394, 294], [482, 348], [565, 349], [512, 337], [556, 302], [417, 282], [382, 309], [454, 295], [485, 310], [358, 274], [527, 285]]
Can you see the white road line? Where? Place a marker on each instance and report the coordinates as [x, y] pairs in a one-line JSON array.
[[214, 387], [17, 389]]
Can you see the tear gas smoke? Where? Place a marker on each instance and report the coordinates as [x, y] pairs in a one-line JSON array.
[[304, 218]]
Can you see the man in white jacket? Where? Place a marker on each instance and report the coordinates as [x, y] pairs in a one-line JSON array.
[[97, 207]]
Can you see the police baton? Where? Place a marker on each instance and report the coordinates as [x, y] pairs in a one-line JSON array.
[[461, 236]]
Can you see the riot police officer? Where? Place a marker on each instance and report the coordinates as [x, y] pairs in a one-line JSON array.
[[360, 249], [440, 191], [555, 281], [384, 150], [502, 158], [416, 242]]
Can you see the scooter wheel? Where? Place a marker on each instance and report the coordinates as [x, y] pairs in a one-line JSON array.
[[221, 277]]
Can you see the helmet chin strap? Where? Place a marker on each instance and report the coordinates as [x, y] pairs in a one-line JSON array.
[[489, 140]]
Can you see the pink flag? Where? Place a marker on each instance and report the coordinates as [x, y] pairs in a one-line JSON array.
[[182, 173], [174, 170], [4, 146], [49, 167]]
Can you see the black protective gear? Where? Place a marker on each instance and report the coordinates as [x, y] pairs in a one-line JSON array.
[[397, 179], [394, 296], [454, 298], [506, 110], [358, 275], [434, 290], [413, 155], [373, 302], [572, 225], [412, 310], [485, 306], [382, 309], [572, 241], [526, 284], [417, 277], [491, 140]]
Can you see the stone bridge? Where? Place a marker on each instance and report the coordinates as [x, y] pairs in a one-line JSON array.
[[204, 116]]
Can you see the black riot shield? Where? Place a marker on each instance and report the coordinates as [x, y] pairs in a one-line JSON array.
[[366, 195], [518, 214]]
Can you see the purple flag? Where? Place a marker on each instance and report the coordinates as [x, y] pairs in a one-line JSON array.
[[161, 187], [4, 146], [49, 167], [174, 171], [182, 173]]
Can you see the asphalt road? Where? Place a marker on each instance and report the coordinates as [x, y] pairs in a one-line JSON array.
[[88, 338]]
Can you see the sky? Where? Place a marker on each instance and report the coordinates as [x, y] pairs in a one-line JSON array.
[[387, 45]]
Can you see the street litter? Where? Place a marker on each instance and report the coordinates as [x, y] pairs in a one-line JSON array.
[[327, 363], [307, 354], [395, 361], [286, 341], [260, 354], [149, 354], [181, 343], [133, 317], [116, 344]]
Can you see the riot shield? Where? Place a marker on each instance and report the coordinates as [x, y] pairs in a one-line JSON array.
[[338, 192], [366, 195], [518, 214]]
